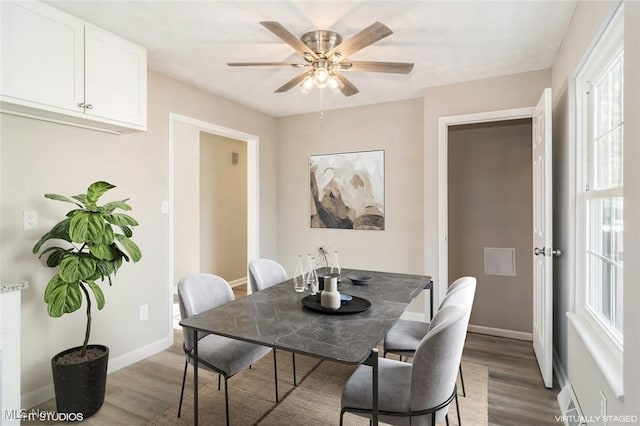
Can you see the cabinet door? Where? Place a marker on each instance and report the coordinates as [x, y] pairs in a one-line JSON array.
[[42, 56], [115, 77]]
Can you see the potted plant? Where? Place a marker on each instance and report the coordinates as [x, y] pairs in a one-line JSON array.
[[91, 244]]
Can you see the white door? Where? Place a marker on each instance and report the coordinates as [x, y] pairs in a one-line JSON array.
[[542, 238]]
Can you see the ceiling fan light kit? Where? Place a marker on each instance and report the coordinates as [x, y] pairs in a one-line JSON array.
[[326, 56]]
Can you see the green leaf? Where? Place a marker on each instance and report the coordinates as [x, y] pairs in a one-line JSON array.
[[107, 236], [122, 205], [121, 219], [86, 227], [76, 267], [70, 213], [60, 232], [54, 258], [96, 189], [97, 292], [82, 198], [101, 251], [130, 247], [64, 198], [62, 297], [128, 232]]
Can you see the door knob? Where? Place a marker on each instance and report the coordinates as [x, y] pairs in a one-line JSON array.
[[546, 251]]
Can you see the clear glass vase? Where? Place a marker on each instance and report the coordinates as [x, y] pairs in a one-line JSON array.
[[298, 276]]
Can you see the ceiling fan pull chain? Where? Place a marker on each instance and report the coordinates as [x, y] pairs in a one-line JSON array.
[[321, 104]]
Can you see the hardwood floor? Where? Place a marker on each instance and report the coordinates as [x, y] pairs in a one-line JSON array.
[[148, 388], [517, 395]]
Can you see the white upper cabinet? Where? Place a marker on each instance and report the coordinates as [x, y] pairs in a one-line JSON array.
[[115, 83], [59, 68]]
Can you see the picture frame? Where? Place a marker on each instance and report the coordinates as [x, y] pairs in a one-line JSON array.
[[347, 190]]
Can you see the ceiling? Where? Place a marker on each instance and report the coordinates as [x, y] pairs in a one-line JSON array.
[[449, 41]]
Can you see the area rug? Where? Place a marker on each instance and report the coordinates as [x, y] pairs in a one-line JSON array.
[[315, 401]]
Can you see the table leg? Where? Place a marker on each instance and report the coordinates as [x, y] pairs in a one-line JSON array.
[[195, 377], [431, 303], [372, 361]]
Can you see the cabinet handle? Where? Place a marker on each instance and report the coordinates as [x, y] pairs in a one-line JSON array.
[[88, 106], [82, 105]]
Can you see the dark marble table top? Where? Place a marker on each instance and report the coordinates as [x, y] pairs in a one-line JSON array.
[[275, 317]]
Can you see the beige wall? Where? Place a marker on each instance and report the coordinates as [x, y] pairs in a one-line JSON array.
[[394, 127], [492, 94], [39, 157], [588, 21], [223, 207], [490, 205]]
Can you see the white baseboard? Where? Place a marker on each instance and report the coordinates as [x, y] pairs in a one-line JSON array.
[[45, 393], [239, 281], [558, 369], [499, 332], [139, 354], [37, 396]]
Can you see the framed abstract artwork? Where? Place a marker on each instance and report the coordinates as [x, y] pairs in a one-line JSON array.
[[347, 190]]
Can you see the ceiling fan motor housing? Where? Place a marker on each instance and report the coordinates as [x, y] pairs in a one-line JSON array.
[[321, 41]]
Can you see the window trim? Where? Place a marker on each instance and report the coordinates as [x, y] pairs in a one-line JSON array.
[[606, 349]]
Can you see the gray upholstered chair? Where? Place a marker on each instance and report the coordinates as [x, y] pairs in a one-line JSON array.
[[264, 273], [222, 355], [419, 393], [405, 335]]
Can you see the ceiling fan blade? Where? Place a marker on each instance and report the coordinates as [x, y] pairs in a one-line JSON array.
[[264, 64], [287, 37], [291, 83], [348, 88], [371, 34], [373, 66]]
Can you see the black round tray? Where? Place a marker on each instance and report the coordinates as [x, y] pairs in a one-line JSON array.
[[356, 305]]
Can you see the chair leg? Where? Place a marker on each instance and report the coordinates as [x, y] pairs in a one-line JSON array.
[[293, 361], [464, 391], [458, 410], [218, 382], [446, 418], [341, 416], [184, 378], [226, 401], [275, 373]]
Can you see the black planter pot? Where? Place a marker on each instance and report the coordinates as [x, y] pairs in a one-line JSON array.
[[80, 387]]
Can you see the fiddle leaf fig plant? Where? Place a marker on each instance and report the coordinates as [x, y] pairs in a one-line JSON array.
[[92, 242]]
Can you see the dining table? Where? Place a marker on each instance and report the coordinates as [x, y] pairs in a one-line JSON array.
[[276, 317]]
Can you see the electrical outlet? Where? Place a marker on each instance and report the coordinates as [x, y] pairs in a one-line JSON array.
[[30, 220], [603, 405], [144, 312], [164, 207]]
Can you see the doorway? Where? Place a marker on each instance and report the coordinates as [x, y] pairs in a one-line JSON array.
[[201, 156], [444, 123], [490, 222]]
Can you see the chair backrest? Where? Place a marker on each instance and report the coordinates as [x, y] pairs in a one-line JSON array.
[[264, 273], [436, 360], [460, 283], [197, 293], [461, 295]]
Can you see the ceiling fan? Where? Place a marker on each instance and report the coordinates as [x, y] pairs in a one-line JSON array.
[[326, 55]]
